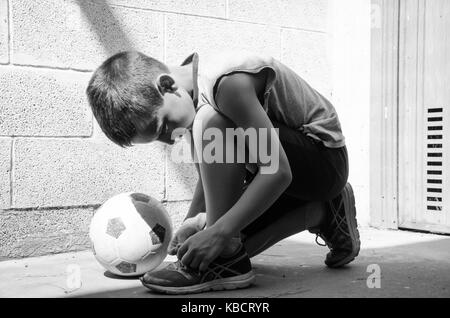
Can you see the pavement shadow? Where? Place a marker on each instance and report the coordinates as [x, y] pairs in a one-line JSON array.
[[106, 25], [114, 39], [293, 269]]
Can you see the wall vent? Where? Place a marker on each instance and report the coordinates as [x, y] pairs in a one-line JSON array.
[[435, 159]]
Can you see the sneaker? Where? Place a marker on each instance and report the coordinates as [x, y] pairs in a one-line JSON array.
[[225, 273], [340, 230]]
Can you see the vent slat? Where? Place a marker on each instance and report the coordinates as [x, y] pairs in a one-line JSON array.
[[434, 208], [435, 119], [434, 146]]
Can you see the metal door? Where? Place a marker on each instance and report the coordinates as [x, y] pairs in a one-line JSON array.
[[424, 115]]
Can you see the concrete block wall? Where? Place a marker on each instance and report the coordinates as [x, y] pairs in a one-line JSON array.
[[56, 166]]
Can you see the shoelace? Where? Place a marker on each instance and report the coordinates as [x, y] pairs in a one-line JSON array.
[[339, 221], [180, 266]]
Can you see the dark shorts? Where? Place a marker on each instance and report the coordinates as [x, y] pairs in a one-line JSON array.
[[318, 173]]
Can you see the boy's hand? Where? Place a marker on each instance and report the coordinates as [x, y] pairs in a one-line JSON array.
[[198, 251], [187, 229]]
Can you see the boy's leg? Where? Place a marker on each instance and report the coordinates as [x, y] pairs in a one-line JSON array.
[[286, 217], [222, 182], [314, 178], [319, 175], [223, 186]]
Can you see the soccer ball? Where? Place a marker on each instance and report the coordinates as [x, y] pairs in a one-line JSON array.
[[130, 234]]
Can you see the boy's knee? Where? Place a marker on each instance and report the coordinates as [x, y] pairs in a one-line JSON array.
[[210, 132]]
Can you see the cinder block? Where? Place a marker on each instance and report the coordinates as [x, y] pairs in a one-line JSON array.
[[74, 172], [304, 14], [5, 172], [177, 211], [308, 54], [198, 7], [187, 34], [181, 175], [181, 180], [39, 102], [4, 31], [36, 233], [80, 34]]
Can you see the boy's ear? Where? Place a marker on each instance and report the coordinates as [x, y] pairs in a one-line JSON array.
[[166, 84]]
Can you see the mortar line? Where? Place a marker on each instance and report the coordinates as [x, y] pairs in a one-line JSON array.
[[165, 11], [11, 172], [46, 137], [9, 41], [70, 207], [51, 67], [227, 9], [218, 18], [9, 17]]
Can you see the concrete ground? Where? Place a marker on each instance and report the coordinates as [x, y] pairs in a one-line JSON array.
[[410, 264]]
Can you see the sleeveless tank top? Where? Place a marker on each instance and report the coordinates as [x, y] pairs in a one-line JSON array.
[[288, 98]]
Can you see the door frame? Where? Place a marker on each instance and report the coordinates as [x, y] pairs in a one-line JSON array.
[[384, 114]]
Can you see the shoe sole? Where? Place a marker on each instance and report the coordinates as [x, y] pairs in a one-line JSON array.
[[235, 282], [350, 215]]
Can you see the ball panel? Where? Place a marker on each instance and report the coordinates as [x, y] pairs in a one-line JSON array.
[[158, 234], [126, 268], [115, 227]]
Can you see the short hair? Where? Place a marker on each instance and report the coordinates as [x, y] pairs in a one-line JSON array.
[[123, 96]]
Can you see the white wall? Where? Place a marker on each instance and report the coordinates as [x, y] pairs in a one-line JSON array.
[[349, 30], [55, 164]]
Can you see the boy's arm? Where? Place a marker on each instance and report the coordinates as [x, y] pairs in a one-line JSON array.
[[238, 100], [198, 201], [240, 103]]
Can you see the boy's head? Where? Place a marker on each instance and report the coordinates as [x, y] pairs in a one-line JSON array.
[[135, 99]]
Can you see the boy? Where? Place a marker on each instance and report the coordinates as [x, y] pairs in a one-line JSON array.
[[250, 204]]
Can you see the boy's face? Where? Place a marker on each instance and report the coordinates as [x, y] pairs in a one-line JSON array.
[[177, 111]]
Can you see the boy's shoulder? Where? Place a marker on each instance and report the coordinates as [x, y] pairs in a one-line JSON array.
[[216, 63], [241, 82]]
